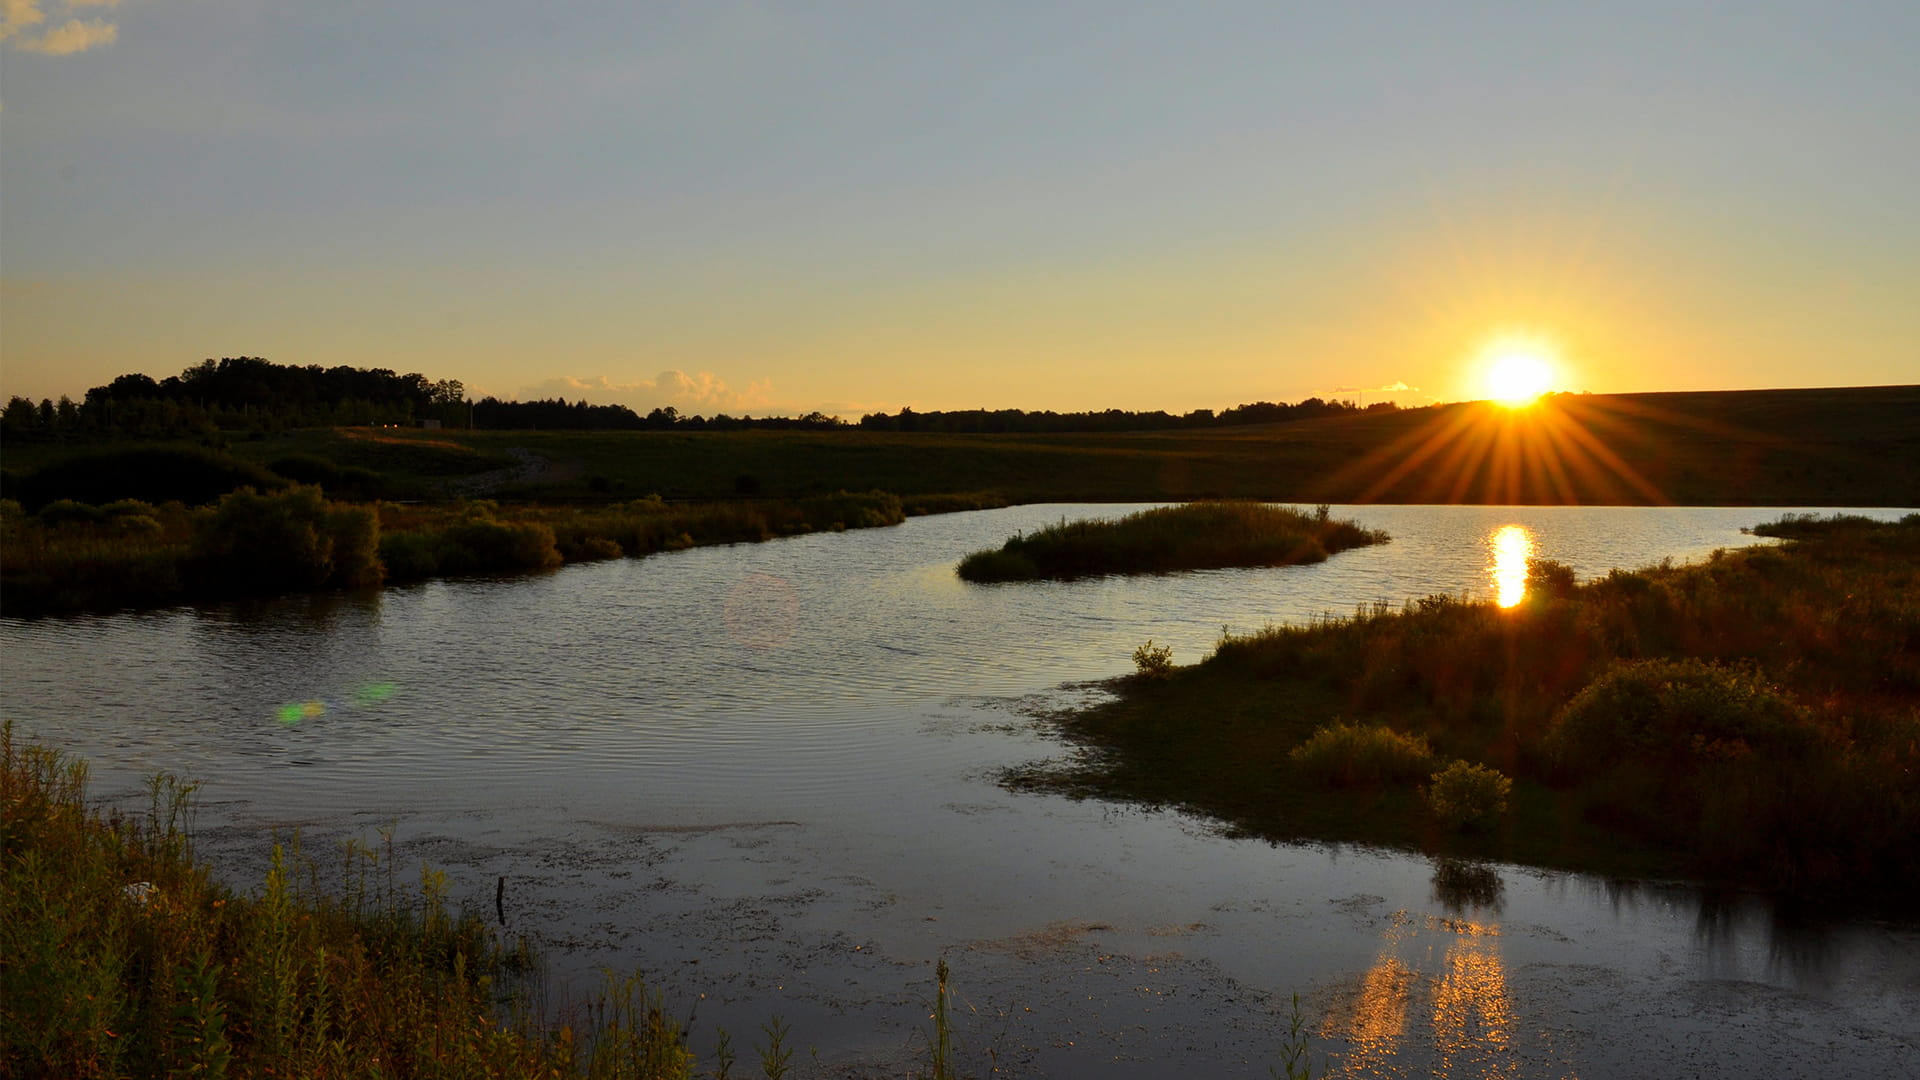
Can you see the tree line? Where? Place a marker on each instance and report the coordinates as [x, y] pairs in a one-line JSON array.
[[250, 394]]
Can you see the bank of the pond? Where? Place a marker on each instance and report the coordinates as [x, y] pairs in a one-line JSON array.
[[1205, 535], [73, 556], [1754, 719], [125, 958]]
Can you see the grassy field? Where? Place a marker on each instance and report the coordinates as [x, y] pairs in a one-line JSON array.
[[1191, 536], [1827, 447], [1754, 719]]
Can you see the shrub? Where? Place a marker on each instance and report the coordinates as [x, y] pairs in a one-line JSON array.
[[1549, 580], [1152, 661], [68, 512], [852, 510], [261, 544], [1467, 796], [998, 565], [1351, 755], [409, 556], [1667, 715]]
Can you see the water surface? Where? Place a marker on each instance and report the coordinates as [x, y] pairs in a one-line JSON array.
[[765, 774]]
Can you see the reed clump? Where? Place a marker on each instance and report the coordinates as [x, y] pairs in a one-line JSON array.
[[1192, 536]]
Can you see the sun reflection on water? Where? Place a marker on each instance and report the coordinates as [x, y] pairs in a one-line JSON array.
[[1510, 547], [1445, 1008]]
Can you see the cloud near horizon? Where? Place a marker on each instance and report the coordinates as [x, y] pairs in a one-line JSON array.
[[702, 392], [73, 36]]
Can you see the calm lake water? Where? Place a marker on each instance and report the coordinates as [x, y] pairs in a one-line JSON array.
[[766, 776]]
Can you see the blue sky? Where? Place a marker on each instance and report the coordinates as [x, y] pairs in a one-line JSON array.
[[782, 207]]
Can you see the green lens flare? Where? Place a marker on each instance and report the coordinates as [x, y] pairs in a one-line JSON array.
[[373, 693]]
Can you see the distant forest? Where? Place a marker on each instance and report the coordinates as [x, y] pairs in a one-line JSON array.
[[249, 394]]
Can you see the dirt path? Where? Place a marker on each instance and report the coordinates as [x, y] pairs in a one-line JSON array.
[[528, 469]]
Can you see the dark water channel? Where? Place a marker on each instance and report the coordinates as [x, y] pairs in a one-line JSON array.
[[765, 775]]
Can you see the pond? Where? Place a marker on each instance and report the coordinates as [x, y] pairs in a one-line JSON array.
[[766, 776]]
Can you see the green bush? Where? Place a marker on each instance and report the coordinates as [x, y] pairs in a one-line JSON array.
[[1152, 661], [1353, 755], [1466, 796], [1668, 715]]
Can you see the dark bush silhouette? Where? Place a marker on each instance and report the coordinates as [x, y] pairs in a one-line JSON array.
[[153, 474]]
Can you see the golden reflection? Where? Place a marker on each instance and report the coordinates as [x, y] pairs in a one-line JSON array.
[[1472, 1014], [1474, 1030], [1511, 546]]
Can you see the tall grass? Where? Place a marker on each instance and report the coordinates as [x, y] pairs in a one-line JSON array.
[[1193, 536]]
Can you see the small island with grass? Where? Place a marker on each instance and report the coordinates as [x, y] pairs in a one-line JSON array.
[[1193, 536]]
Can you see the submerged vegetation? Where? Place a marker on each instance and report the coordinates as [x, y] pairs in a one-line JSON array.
[[1753, 719], [1194, 536]]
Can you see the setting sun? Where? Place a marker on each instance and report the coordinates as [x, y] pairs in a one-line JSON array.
[[1517, 370]]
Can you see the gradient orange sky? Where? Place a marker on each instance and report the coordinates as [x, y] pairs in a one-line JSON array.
[[756, 207]]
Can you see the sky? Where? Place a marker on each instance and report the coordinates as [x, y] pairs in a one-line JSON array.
[[850, 207]]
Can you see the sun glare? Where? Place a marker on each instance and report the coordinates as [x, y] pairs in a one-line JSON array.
[[1517, 370]]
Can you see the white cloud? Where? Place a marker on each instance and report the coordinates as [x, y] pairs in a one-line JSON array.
[[1390, 388], [703, 392]]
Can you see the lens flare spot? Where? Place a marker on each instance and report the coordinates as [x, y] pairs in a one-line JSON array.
[[373, 694], [761, 611], [1510, 547], [289, 714]]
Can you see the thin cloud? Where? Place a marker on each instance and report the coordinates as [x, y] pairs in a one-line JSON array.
[[73, 36], [702, 392], [17, 15]]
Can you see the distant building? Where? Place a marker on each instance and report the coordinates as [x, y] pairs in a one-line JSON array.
[[426, 423]]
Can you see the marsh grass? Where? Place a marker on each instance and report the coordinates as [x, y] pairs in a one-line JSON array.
[[75, 556], [1192, 536], [1754, 718]]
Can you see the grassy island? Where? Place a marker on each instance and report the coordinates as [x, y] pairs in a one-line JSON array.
[[1194, 536], [1751, 720]]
